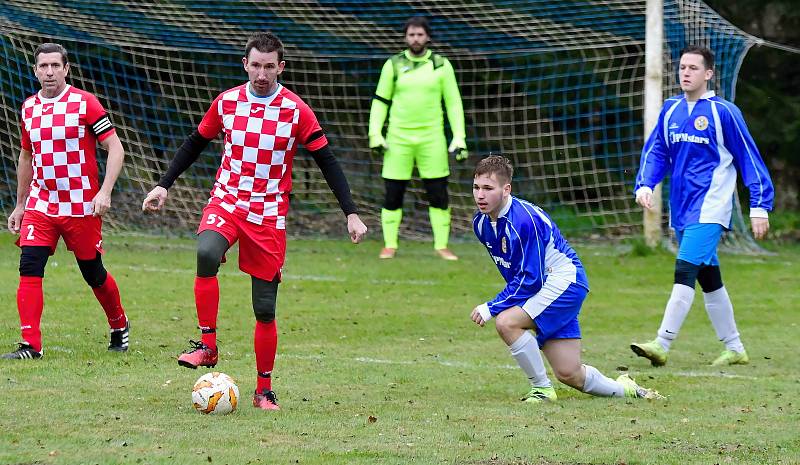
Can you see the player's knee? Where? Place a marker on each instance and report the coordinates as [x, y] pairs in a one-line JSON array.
[[33, 260], [568, 374], [265, 295], [686, 273], [208, 259], [506, 326], [710, 278], [395, 190], [437, 192], [93, 271]]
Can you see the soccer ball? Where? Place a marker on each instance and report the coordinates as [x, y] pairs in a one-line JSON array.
[[215, 393]]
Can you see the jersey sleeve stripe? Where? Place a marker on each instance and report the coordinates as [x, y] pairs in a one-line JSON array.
[[381, 99], [749, 152], [102, 125]]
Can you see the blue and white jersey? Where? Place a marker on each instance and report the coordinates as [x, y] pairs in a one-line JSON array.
[[527, 248], [704, 146]]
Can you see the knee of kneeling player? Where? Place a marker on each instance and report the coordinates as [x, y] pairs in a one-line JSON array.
[[93, 272], [264, 310], [569, 375], [686, 273]]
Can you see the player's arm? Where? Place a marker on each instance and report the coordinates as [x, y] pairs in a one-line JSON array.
[[653, 164], [314, 140], [185, 156], [754, 171], [455, 112], [380, 107], [528, 262], [116, 158], [24, 178]]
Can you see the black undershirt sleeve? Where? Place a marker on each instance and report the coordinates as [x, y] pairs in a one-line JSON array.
[[187, 154], [334, 176]]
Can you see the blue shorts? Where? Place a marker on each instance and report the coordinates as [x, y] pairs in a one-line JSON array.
[[554, 310], [697, 243]]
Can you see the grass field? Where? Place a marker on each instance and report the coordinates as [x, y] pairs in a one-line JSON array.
[[379, 363]]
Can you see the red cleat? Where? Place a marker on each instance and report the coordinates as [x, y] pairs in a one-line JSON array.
[[197, 355], [265, 400]]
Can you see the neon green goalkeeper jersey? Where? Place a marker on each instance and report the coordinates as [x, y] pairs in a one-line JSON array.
[[411, 89]]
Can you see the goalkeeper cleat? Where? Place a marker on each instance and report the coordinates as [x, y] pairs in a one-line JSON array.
[[25, 351], [651, 350], [729, 357], [387, 252], [118, 338], [265, 400], [197, 355], [538, 395], [635, 391], [447, 254]]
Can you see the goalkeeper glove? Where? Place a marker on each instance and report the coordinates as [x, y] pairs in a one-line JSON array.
[[458, 148], [377, 144]]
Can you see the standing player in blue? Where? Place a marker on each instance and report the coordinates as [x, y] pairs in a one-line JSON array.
[[703, 139], [546, 286]]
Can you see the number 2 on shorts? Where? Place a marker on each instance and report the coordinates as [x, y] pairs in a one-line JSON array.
[[30, 232]]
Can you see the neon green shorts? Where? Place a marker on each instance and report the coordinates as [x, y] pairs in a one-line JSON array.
[[426, 148]]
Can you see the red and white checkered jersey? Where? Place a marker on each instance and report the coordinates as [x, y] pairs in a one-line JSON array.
[[261, 139], [62, 133]]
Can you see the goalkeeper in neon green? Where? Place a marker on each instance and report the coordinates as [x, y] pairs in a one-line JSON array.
[[411, 88]]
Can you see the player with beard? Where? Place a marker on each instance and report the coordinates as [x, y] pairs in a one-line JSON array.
[[262, 123], [411, 88]]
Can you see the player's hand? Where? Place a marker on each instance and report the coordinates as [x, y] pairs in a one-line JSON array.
[[15, 219], [378, 145], [458, 149], [760, 227], [477, 318], [356, 228], [101, 203], [154, 200], [644, 197]]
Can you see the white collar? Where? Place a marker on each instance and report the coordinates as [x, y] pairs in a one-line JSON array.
[[56, 98]]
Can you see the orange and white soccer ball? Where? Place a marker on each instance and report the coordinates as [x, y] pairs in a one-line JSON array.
[[215, 393]]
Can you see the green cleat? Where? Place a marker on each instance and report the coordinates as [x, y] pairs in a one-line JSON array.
[[651, 350], [538, 395], [730, 357], [635, 391]]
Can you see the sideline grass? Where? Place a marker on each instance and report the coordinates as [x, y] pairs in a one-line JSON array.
[[378, 362]]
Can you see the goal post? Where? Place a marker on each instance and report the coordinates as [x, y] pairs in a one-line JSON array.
[[653, 99]]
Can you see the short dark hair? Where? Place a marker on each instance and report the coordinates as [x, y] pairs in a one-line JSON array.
[[497, 165], [49, 47], [417, 21], [264, 42], [706, 53]]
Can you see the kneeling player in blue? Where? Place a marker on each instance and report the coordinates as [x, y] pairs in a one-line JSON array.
[[546, 286], [702, 139]]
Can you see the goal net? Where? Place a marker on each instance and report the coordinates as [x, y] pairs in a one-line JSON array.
[[556, 86]]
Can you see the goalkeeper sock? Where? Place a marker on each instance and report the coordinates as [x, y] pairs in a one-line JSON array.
[[206, 299], [440, 224], [390, 223], [677, 308], [265, 344], [30, 302], [597, 384], [526, 352], [720, 312]]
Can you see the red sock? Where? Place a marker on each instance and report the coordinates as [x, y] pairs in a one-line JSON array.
[[206, 299], [108, 296], [30, 302], [265, 343]]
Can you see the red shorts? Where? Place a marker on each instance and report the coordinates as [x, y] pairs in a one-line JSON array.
[[82, 234], [262, 248]]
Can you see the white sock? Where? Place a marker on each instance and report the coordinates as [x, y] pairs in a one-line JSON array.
[[598, 384], [525, 351], [677, 308], [720, 312]]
